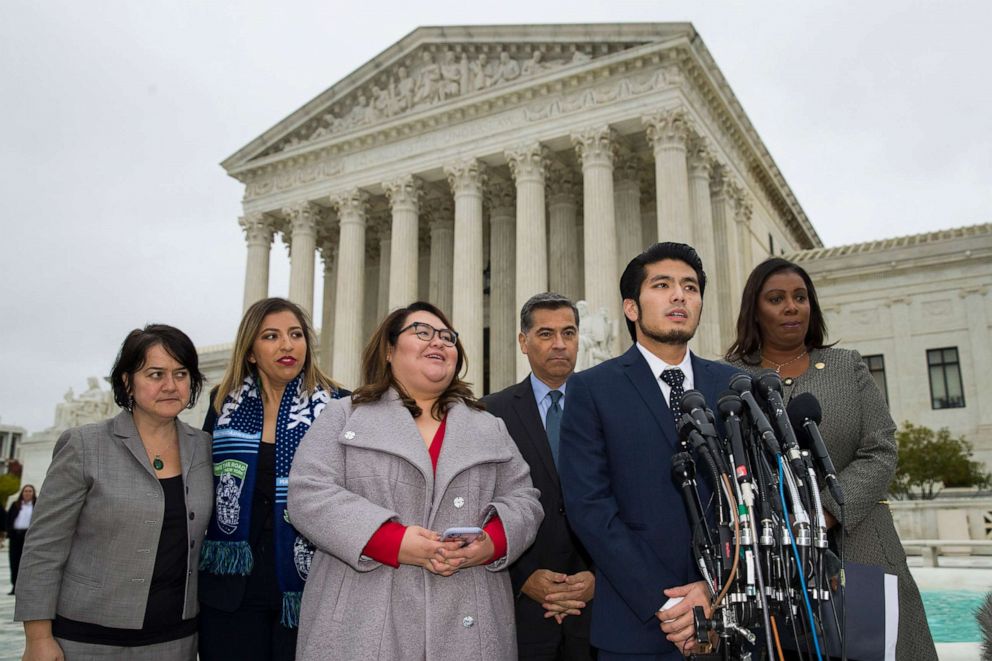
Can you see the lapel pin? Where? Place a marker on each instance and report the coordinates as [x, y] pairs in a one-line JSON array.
[[349, 434], [819, 366]]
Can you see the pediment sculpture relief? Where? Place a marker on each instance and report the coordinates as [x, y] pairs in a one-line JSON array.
[[428, 78]]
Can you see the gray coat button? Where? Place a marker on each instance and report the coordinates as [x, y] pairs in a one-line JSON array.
[[459, 503], [468, 621]]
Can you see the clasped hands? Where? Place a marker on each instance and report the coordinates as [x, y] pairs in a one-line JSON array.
[[423, 548], [560, 594]]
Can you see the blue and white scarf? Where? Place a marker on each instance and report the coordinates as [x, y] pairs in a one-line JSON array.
[[237, 435]]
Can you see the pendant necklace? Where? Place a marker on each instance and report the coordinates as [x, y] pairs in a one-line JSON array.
[[779, 366], [158, 463]]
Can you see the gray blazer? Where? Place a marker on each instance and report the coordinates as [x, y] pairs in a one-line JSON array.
[[90, 551], [860, 437]]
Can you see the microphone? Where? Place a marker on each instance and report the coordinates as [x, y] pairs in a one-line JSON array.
[[804, 411], [731, 407], [741, 384], [684, 474], [696, 417]]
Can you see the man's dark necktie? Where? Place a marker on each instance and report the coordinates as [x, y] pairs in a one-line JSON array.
[[552, 423], [675, 378]]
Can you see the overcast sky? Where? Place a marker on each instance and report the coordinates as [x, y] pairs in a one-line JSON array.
[[115, 115]]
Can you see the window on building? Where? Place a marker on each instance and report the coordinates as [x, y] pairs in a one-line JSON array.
[[946, 391], [876, 366]]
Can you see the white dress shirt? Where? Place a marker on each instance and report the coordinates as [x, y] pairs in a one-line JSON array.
[[657, 366]]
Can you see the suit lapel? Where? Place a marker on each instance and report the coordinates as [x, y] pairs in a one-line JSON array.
[[525, 408], [646, 383], [187, 447], [125, 430], [704, 381]]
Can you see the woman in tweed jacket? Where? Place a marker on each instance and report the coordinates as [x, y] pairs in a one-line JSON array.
[[781, 326]]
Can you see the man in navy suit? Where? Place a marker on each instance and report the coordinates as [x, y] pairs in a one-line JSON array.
[[617, 439], [552, 580]]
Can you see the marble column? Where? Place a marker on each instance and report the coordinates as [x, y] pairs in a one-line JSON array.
[[727, 286], [700, 168], [404, 198], [743, 210], [303, 227], [627, 205], [258, 237], [667, 133], [527, 165], [649, 210], [502, 261], [384, 230], [328, 253], [349, 300], [596, 149], [563, 239], [467, 179], [442, 231]]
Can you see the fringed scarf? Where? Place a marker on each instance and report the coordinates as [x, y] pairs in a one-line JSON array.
[[238, 432]]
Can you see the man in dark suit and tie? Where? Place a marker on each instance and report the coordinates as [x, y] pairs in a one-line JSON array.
[[617, 439], [552, 580]]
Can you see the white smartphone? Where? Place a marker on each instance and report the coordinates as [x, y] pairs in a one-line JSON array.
[[464, 534]]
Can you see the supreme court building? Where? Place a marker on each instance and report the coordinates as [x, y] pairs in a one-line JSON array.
[[476, 166]]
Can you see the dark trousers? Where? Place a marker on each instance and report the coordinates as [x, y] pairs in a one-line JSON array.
[[570, 648], [16, 549], [251, 634]]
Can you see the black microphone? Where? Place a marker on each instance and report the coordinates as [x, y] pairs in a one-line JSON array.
[[741, 384], [804, 411], [684, 474], [731, 407], [769, 386], [697, 416]]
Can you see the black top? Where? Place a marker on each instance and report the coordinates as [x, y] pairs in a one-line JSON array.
[[166, 595]]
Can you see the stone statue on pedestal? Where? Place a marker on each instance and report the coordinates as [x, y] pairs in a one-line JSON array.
[[596, 335]]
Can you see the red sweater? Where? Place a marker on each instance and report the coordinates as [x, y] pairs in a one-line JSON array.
[[384, 546]]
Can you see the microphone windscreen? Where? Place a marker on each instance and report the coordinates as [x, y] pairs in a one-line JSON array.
[[729, 402], [767, 381], [740, 383], [692, 399], [803, 407]]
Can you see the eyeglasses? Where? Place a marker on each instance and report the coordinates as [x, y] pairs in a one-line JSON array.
[[426, 332]]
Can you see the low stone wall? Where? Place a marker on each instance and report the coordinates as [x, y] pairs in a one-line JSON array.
[[945, 518]]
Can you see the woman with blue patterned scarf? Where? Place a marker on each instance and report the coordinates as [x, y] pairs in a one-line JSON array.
[[254, 562]]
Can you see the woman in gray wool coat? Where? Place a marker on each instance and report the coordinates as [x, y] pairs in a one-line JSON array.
[[781, 327], [376, 480]]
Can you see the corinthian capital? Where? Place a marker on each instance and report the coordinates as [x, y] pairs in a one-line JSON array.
[[528, 161], [595, 146], [701, 158], [404, 192], [563, 181], [501, 194], [257, 228], [439, 208], [303, 217], [743, 207], [466, 176], [627, 167], [352, 206], [668, 128]]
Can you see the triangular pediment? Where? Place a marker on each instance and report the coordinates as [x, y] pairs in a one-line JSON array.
[[433, 66]]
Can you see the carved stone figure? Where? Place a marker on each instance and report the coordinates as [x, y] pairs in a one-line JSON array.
[[402, 96], [428, 81], [579, 56], [535, 64], [481, 72], [92, 405], [451, 76], [596, 333], [381, 102], [508, 68]]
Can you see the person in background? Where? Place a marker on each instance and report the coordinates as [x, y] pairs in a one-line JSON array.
[[109, 564], [781, 327], [17, 524], [552, 580], [618, 436], [379, 477], [254, 562]]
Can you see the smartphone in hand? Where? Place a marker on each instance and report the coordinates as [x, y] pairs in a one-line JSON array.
[[464, 534]]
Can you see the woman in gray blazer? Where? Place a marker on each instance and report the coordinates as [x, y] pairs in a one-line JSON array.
[[374, 483], [781, 327], [109, 565]]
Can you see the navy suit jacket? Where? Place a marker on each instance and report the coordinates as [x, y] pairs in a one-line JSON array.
[[615, 463]]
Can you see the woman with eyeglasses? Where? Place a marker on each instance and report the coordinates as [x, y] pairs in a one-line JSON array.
[[375, 484]]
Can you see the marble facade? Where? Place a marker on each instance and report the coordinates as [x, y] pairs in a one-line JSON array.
[[497, 162]]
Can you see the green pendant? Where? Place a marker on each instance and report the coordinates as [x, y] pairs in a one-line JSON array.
[[158, 463]]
